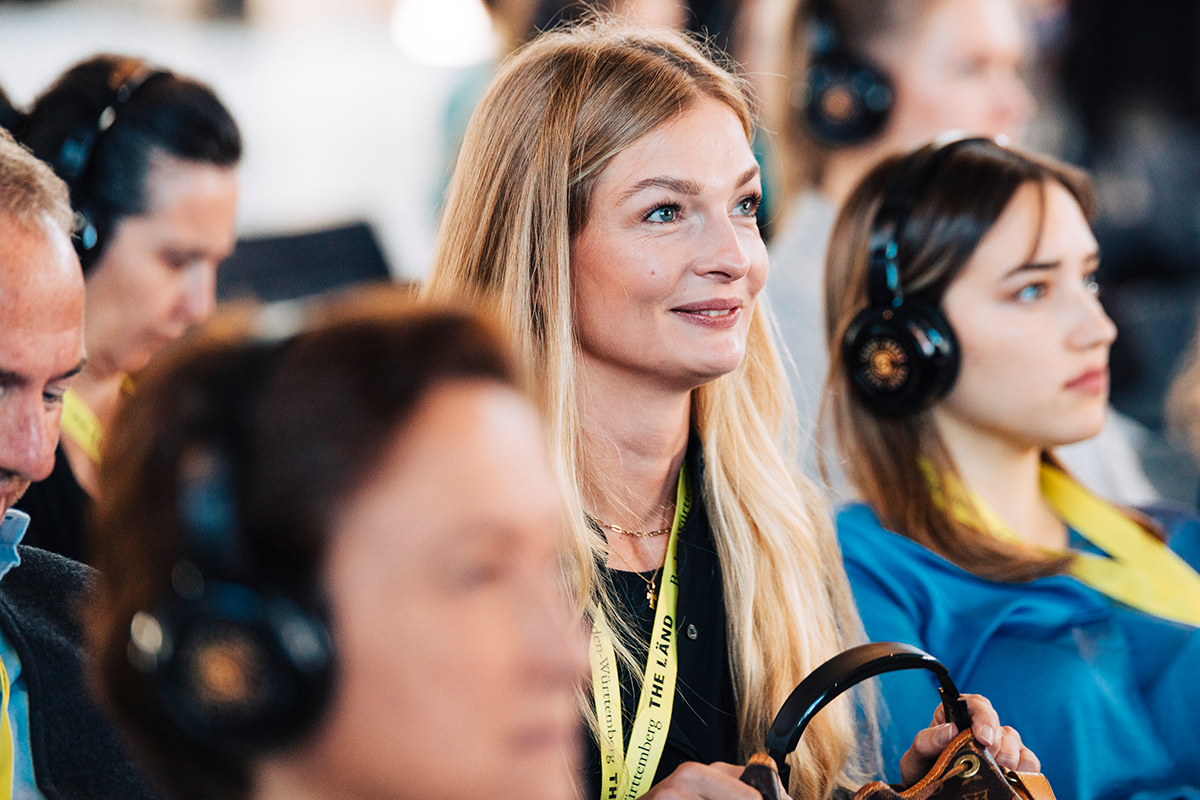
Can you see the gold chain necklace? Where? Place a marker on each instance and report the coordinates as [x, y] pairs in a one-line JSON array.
[[638, 534]]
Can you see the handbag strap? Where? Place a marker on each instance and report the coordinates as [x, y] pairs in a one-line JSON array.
[[840, 673]]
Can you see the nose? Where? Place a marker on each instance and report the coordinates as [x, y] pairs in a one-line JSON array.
[[558, 642], [200, 291], [1014, 104], [727, 249], [28, 435], [1092, 327]]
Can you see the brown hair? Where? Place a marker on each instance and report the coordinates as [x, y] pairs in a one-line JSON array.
[[326, 404], [29, 189], [962, 199]]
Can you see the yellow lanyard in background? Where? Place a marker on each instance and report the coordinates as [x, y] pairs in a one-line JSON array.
[[6, 740], [630, 777], [1140, 572], [81, 424]]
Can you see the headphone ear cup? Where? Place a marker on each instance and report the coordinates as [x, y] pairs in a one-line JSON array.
[[901, 360], [845, 100], [240, 670]]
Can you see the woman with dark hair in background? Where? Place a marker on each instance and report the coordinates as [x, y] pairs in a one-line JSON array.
[[867, 79], [967, 343], [150, 158], [330, 564]]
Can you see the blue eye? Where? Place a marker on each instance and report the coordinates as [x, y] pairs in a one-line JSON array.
[[664, 213], [748, 207], [1032, 292], [1091, 284]]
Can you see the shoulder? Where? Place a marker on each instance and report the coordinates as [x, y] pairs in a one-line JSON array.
[[45, 586], [864, 538], [1181, 529]]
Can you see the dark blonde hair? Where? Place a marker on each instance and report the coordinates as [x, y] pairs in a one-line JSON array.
[[962, 199], [554, 117]]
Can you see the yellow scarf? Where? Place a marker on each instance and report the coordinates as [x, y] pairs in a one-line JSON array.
[[1140, 571]]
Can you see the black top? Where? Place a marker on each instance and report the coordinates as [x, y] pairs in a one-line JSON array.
[[57, 509], [704, 716], [77, 753]]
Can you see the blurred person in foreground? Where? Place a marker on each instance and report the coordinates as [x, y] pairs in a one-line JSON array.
[[330, 560], [150, 158], [54, 742]]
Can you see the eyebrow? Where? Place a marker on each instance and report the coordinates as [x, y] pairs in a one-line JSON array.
[[682, 185], [10, 378], [1043, 266]]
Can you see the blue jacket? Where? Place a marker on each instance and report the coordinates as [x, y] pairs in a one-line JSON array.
[[1106, 696]]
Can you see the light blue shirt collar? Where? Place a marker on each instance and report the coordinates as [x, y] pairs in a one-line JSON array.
[[12, 529]]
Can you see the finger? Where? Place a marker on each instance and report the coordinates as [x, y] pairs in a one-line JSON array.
[[985, 722], [716, 781], [1008, 748], [929, 742], [1029, 761]]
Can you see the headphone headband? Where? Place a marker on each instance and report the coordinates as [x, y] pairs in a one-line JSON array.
[[75, 156]]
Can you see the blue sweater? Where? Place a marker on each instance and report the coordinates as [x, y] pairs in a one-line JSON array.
[[1108, 697]]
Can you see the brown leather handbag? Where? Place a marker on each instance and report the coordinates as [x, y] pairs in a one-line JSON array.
[[964, 771]]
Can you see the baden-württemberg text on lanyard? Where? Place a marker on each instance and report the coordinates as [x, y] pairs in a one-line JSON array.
[[631, 776]]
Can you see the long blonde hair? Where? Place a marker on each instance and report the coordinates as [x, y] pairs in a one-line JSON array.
[[558, 111]]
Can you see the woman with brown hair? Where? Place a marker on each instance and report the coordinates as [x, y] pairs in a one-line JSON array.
[[864, 79], [604, 204], [330, 564], [966, 343]]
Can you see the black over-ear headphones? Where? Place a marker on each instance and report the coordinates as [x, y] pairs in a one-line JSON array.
[[843, 98], [74, 157], [900, 353], [240, 663]]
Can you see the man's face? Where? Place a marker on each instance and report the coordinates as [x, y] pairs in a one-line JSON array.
[[41, 348]]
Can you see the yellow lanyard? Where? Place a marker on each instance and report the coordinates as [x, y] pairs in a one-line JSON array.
[[6, 739], [1140, 571], [81, 424], [630, 777]]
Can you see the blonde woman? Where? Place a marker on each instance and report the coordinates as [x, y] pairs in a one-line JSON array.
[[604, 203]]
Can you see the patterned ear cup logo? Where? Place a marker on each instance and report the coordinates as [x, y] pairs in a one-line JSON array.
[[884, 364]]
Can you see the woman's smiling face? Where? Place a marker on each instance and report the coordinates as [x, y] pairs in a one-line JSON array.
[[669, 264]]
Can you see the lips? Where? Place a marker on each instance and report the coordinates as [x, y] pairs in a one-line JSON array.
[[716, 313], [1094, 381]]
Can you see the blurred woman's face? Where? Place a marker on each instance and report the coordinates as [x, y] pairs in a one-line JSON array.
[[1033, 336], [458, 656], [669, 265], [960, 69], [157, 274]]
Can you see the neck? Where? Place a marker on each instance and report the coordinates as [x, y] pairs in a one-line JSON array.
[[635, 438], [1007, 476]]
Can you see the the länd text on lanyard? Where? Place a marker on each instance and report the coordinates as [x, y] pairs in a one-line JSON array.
[[631, 776]]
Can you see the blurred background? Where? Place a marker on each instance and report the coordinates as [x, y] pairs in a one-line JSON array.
[[351, 112]]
